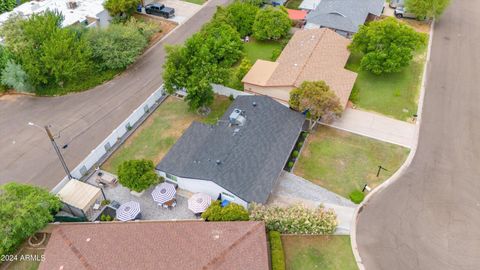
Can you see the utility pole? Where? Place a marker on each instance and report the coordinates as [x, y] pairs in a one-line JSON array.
[[59, 154]]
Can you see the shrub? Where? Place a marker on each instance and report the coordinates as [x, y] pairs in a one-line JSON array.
[[24, 210], [231, 212], [354, 94], [299, 145], [146, 28], [15, 77], [105, 202], [295, 154], [290, 164], [357, 196], [104, 217], [296, 219], [276, 248], [231, 98], [275, 54], [137, 175], [117, 46]]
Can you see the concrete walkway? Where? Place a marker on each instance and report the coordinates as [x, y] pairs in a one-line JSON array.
[[376, 126], [293, 189]]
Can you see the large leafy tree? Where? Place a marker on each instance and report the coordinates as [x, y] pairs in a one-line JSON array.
[[121, 8], [271, 24], [48, 53], [427, 8], [7, 5], [387, 45], [317, 100], [117, 46], [205, 58], [24, 209], [239, 15]]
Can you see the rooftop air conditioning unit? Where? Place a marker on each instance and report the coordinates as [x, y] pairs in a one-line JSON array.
[[237, 117]]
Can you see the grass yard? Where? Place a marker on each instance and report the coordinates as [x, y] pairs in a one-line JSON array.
[[395, 95], [318, 252], [153, 139], [255, 49], [293, 4], [198, 2], [342, 162]]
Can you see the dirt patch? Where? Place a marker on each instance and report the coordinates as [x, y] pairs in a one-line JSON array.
[[166, 26], [419, 26]]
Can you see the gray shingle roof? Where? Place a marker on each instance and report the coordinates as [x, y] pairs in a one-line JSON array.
[[251, 160], [346, 15]]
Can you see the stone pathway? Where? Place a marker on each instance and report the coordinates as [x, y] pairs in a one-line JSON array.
[[376, 126], [293, 189]]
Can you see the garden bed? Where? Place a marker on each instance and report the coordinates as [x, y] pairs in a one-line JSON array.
[[295, 154]]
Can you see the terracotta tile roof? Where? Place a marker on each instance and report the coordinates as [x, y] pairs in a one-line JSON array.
[[158, 245], [313, 55], [294, 14]]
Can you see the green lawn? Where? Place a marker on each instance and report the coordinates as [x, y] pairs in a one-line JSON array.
[[198, 2], [342, 162], [153, 139], [395, 95], [293, 4], [318, 252], [261, 49]]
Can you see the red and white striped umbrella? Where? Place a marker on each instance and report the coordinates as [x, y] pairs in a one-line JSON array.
[[128, 211], [164, 192], [199, 202]]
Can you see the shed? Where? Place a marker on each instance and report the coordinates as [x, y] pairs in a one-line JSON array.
[[79, 195]]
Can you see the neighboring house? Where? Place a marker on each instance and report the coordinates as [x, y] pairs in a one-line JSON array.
[[311, 55], [87, 12], [344, 16], [159, 245], [297, 16], [241, 157], [309, 5]]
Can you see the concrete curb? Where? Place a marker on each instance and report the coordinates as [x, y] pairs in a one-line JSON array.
[[405, 165]]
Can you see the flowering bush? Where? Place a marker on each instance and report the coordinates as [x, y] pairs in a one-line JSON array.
[[296, 219]]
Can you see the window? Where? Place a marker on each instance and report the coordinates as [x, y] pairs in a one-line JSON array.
[[171, 177]]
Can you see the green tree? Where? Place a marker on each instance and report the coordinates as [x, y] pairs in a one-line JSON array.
[[7, 5], [24, 210], [387, 45], [318, 100], [427, 8], [231, 212], [121, 8], [116, 47], [137, 175], [271, 24], [257, 3], [205, 58], [13, 76], [241, 16]]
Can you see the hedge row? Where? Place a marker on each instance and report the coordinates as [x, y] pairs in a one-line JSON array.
[[276, 249]]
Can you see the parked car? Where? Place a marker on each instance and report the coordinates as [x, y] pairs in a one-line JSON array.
[[160, 10], [401, 12], [396, 3]]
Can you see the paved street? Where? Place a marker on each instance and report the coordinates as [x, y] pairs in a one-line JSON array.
[[84, 119], [430, 217]]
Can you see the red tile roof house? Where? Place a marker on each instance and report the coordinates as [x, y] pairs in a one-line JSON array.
[[158, 245], [311, 55]]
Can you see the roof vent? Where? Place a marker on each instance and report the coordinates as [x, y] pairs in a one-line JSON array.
[[254, 104], [237, 117], [218, 161]]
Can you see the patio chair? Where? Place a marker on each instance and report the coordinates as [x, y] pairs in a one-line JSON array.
[[165, 206], [174, 204]]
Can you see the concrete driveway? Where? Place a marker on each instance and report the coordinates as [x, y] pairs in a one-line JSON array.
[[183, 10], [429, 218], [83, 119]]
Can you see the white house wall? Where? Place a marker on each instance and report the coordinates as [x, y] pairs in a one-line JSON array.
[[204, 186]]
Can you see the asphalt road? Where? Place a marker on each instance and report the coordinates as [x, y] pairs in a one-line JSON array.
[[84, 119], [430, 217]]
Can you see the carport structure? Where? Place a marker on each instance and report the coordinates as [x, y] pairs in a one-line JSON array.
[[79, 197]]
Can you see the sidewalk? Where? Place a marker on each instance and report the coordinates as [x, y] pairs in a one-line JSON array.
[[376, 126], [293, 189]]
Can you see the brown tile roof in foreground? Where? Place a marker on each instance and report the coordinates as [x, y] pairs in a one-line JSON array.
[[158, 245], [312, 55]]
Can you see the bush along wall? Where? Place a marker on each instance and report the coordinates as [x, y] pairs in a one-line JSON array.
[[276, 251], [296, 151]]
